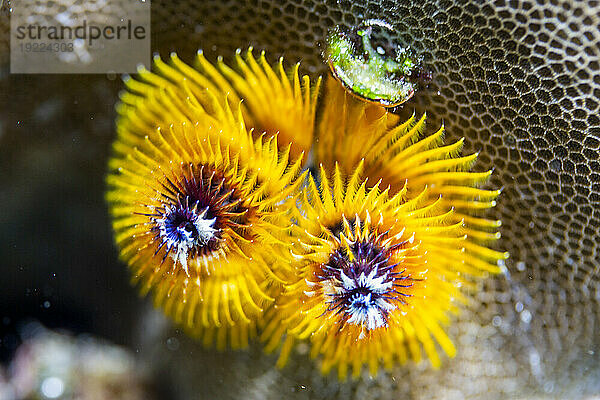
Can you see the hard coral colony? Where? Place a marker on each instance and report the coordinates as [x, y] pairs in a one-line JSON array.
[[367, 260]]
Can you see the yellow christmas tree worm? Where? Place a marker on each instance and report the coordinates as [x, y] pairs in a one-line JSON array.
[[351, 130], [199, 210], [367, 263], [272, 102], [276, 103], [378, 275]]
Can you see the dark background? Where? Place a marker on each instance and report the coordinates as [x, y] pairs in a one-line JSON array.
[[59, 264]]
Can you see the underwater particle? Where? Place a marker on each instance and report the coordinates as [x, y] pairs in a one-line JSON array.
[[387, 74], [200, 207], [378, 276], [52, 387]]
